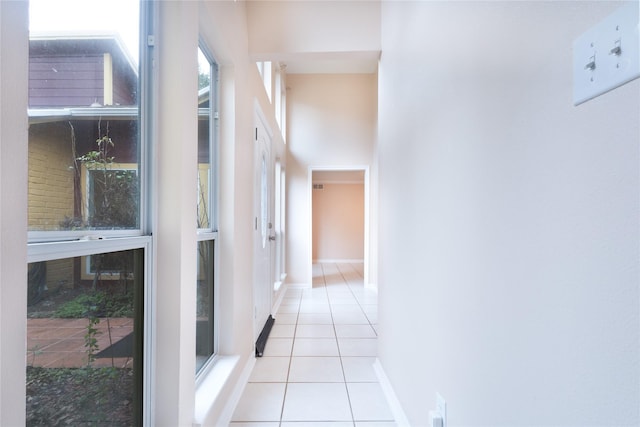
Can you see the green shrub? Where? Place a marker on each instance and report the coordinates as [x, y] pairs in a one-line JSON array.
[[97, 304]]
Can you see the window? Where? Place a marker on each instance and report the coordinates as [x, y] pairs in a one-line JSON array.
[[264, 69], [84, 341], [280, 103], [206, 312], [280, 209], [89, 240], [112, 196]]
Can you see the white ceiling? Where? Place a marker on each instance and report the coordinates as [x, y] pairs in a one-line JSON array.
[[316, 36], [329, 63]]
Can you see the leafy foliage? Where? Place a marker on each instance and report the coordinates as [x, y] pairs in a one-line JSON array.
[[79, 396], [98, 304]]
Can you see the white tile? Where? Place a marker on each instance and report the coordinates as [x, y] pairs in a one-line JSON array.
[[270, 370], [315, 319], [368, 402], [260, 402], [315, 347], [287, 309], [346, 309], [316, 370], [258, 424], [319, 293], [350, 318], [289, 304], [318, 424], [359, 369], [315, 292], [342, 300], [355, 331], [373, 317], [368, 298], [292, 293], [282, 331], [316, 402], [315, 307], [315, 331], [339, 290], [370, 308], [286, 319], [359, 347], [278, 347], [376, 424]]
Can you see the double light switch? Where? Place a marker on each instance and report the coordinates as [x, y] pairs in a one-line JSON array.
[[607, 55]]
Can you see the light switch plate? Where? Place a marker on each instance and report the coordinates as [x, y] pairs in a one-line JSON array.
[[607, 55]]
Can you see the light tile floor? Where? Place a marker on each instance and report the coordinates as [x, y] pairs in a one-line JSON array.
[[317, 368]]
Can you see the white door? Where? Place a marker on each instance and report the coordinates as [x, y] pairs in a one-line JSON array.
[[263, 286]]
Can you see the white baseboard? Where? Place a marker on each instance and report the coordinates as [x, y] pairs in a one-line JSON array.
[[372, 287], [392, 399], [279, 295], [234, 398]]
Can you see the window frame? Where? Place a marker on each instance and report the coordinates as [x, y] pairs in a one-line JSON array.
[[211, 233], [52, 245]]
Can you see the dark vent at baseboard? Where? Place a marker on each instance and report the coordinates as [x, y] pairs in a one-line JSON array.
[[264, 335], [318, 186]]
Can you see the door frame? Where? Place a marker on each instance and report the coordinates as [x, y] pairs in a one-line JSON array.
[[367, 231]]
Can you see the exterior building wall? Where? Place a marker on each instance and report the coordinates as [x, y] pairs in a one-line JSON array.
[[51, 180], [60, 274], [64, 81]]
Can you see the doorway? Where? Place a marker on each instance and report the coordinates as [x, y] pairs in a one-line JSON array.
[[263, 226], [339, 216]]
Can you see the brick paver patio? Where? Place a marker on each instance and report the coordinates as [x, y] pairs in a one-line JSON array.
[[57, 343]]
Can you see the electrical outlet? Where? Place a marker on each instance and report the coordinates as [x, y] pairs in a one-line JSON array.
[[441, 407], [607, 55]]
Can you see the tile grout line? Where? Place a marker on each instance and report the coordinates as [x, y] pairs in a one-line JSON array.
[[293, 343], [353, 419]]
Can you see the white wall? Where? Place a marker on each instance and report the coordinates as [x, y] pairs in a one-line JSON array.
[[338, 222], [509, 231], [332, 122]]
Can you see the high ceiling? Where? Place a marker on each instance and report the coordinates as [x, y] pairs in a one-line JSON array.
[[316, 36]]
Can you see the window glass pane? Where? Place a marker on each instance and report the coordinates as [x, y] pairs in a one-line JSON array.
[[204, 141], [84, 340], [83, 115], [205, 330]]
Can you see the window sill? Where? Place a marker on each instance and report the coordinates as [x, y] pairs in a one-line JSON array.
[[211, 386]]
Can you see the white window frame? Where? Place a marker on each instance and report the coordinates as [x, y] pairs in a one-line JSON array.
[[53, 245], [211, 233]]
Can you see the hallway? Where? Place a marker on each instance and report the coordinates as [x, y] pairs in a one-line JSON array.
[[317, 369]]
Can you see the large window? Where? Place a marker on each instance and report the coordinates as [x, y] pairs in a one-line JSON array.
[[84, 340], [89, 239], [206, 312]]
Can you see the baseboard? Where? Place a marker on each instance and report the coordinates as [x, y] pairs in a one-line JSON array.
[[236, 394], [279, 295], [392, 399], [372, 287]]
